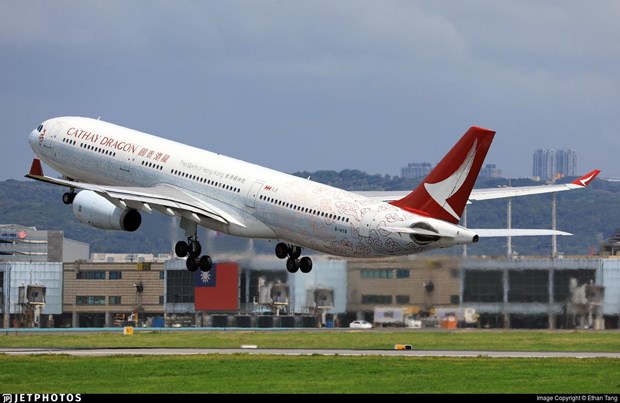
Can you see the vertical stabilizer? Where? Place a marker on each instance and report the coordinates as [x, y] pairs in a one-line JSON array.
[[444, 192]]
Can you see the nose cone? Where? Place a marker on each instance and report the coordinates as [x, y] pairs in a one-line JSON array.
[[35, 138]]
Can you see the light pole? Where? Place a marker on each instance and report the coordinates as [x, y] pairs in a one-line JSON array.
[[139, 290]]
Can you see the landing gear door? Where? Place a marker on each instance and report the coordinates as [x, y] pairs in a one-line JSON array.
[[250, 200]]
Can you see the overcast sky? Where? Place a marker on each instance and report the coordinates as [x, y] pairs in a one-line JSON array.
[[321, 85]]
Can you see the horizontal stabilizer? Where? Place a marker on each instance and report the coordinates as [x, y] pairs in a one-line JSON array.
[[499, 232]]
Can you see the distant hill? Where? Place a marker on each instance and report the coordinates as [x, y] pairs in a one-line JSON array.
[[590, 214]]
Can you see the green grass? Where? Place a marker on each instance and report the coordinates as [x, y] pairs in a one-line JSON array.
[[257, 373], [242, 373], [462, 339]]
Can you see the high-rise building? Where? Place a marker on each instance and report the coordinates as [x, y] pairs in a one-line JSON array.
[[565, 162], [550, 165], [422, 169], [490, 171], [544, 164], [416, 170]]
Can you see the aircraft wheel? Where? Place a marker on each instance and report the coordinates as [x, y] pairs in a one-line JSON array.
[[195, 249], [292, 265], [281, 250], [305, 264], [295, 251], [191, 264], [181, 249], [205, 263], [68, 197]]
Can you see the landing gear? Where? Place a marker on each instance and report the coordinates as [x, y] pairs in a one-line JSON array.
[[293, 263], [68, 197], [192, 250]]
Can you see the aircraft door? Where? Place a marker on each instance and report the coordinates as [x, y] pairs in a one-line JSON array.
[[250, 200], [126, 159], [367, 222]]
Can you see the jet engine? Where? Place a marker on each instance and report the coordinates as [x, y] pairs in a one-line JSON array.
[[99, 212]]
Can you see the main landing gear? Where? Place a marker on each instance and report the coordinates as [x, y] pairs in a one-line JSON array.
[[192, 248], [293, 263]]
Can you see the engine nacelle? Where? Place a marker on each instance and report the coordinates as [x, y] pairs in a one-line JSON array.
[[99, 212]]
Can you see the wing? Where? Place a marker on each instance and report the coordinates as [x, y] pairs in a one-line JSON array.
[[166, 199], [497, 193]]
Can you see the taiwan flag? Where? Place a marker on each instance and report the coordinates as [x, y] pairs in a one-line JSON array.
[[218, 288]]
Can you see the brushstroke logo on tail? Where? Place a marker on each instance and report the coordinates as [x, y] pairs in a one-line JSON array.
[[442, 191], [585, 181]]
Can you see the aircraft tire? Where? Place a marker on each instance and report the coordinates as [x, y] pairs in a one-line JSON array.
[[205, 263], [194, 249], [68, 197], [181, 248], [281, 250], [292, 265], [305, 264], [191, 264], [294, 251]]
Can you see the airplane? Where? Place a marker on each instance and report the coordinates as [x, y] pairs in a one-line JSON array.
[[122, 173]]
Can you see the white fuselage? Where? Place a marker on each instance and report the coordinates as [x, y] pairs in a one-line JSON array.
[[268, 204]]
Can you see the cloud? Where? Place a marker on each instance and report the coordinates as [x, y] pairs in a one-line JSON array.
[[271, 75]]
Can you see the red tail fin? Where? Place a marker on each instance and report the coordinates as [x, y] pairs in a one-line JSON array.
[[444, 192]]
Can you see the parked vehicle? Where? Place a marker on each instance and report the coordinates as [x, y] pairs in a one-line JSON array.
[[360, 324]]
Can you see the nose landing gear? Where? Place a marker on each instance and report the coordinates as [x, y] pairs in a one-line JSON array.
[[67, 198]]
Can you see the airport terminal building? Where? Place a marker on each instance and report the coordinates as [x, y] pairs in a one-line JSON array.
[[255, 290], [543, 293], [31, 278], [28, 244]]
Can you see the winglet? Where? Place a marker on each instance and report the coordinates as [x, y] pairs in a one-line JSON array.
[[587, 178], [35, 168]]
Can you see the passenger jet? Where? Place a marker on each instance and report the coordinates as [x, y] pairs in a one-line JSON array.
[[122, 173]]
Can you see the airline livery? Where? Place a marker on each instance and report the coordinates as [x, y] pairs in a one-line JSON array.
[[122, 173]]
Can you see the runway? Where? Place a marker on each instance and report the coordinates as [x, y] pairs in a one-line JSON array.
[[343, 352]]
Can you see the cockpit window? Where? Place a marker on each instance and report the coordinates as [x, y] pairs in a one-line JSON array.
[[40, 127]]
